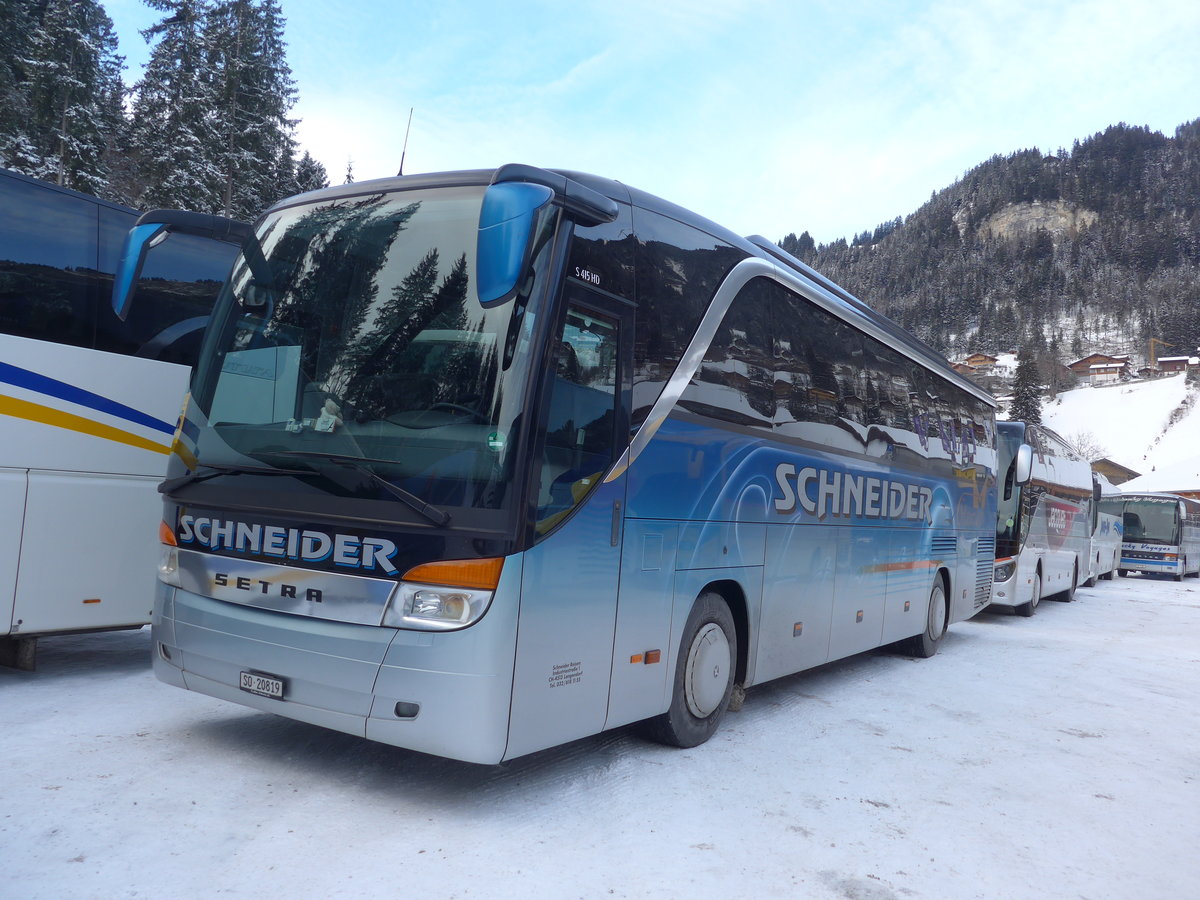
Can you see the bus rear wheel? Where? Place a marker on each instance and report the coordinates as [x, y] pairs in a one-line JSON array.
[[925, 644], [704, 673]]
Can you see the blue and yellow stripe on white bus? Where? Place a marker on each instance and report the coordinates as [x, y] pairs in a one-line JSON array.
[[37, 398]]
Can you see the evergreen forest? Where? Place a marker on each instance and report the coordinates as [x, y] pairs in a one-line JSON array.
[[205, 128], [1057, 255]]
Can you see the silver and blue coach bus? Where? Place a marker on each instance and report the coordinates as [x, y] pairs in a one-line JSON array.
[[478, 463], [1047, 513], [1161, 533]]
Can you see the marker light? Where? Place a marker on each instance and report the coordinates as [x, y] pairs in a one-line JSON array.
[[444, 595], [166, 535]]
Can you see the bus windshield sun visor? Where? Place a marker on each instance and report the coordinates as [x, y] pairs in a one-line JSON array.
[[584, 205], [151, 229]]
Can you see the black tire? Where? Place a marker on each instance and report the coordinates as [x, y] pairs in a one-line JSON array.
[[704, 674], [1108, 576], [925, 644], [1069, 594], [1028, 608], [1122, 572]]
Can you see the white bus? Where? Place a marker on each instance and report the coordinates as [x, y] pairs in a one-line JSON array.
[[1161, 533], [88, 405], [1043, 527], [479, 463], [1106, 546]]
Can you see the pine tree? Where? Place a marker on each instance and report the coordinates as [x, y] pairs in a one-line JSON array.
[[1027, 391], [254, 93], [72, 90], [310, 175], [172, 135], [17, 24]]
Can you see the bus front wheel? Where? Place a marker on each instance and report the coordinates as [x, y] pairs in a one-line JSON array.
[[1027, 609], [703, 675], [927, 642]]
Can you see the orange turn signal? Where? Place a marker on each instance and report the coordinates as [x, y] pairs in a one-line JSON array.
[[166, 535], [481, 574]]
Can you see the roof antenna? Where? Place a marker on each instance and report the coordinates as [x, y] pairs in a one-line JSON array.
[[405, 150]]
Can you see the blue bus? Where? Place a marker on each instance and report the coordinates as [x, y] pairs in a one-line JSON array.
[[478, 463], [88, 404]]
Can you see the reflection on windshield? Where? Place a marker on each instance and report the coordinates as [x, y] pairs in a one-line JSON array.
[[1151, 521], [357, 335]]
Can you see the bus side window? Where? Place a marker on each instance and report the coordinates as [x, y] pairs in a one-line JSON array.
[[47, 264], [736, 379], [679, 269], [820, 366]]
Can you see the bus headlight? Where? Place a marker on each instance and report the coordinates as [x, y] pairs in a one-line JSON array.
[[168, 566], [444, 595], [432, 607], [1004, 570]]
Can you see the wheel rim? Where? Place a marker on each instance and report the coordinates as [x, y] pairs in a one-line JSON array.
[[708, 665], [937, 613], [1037, 591]]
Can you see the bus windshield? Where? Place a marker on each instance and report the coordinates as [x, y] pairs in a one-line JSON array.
[[350, 342], [1152, 520]]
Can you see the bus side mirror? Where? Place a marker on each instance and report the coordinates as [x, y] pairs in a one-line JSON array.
[[154, 227], [1024, 469], [505, 229], [137, 244]]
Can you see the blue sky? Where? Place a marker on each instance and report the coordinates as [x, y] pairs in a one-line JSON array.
[[769, 117]]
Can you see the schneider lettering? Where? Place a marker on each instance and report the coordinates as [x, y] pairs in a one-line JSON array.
[[304, 545], [822, 493]]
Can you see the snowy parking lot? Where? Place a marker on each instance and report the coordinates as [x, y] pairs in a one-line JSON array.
[[1048, 757]]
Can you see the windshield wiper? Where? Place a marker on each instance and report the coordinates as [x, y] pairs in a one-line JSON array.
[[359, 464], [173, 484]]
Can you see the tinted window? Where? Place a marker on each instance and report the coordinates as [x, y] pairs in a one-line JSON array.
[[581, 413], [736, 379], [603, 256], [47, 263], [822, 358], [679, 268]]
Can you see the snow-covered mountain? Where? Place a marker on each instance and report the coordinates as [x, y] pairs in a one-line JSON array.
[[1152, 427]]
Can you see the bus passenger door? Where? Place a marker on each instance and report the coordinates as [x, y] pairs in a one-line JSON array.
[[570, 574]]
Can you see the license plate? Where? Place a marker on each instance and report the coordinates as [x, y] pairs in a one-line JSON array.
[[263, 685]]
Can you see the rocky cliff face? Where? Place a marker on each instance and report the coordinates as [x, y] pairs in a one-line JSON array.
[[1058, 218]]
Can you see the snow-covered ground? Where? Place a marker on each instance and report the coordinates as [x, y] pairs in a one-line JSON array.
[[1047, 757], [1131, 423]]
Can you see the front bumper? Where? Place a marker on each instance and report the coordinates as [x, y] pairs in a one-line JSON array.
[[442, 693]]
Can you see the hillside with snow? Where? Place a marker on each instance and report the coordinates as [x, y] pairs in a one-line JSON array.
[[1152, 427]]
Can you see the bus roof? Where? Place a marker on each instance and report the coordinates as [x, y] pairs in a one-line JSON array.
[[50, 186]]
